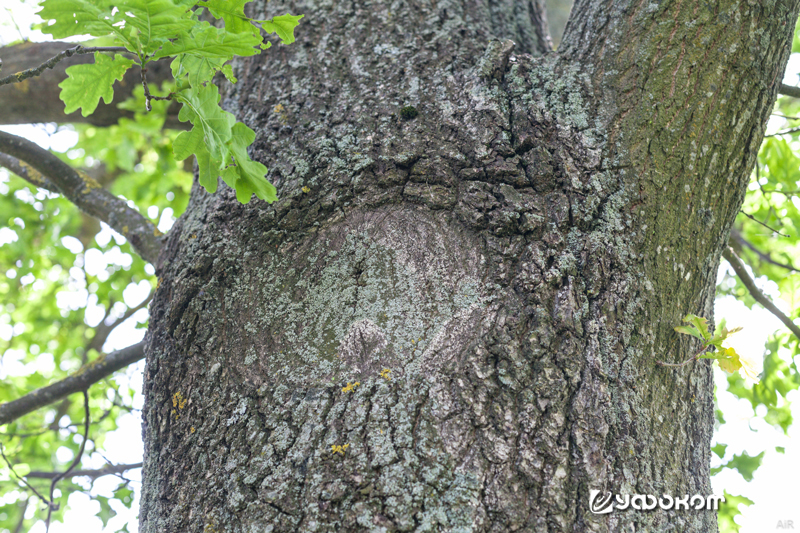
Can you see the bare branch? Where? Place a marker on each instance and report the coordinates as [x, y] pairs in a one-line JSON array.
[[695, 357], [50, 63], [21, 479], [54, 506], [783, 132], [761, 255], [23, 505], [754, 219], [92, 474], [738, 267], [789, 90], [102, 331], [36, 100], [86, 193], [79, 381]]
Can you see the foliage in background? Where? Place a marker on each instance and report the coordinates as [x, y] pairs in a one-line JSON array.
[[62, 276], [766, 235]]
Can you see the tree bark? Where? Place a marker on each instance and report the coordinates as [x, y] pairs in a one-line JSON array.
[[515, 251], [36, 100]]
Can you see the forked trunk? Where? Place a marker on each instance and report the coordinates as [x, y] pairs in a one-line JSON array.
[[451, 319]]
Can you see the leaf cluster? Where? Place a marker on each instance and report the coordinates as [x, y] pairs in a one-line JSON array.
[[150, 30], [726, 357]]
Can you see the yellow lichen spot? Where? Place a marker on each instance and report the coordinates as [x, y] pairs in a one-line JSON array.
[[158, 282], [124, 229], [351, 386], [339, 449], [278, 108], [306, 189], [385, 374], [191, 429], [178, 400], [194, 236], [89, 182]]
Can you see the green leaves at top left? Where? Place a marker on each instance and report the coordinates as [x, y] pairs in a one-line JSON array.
[[142, 26], [86, 84]]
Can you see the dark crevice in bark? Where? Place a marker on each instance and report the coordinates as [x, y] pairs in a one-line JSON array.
[[516, 255]]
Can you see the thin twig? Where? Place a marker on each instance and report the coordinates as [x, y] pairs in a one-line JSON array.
[[53, 506], [108, 470], [760, 186], [10, 467], [784, 132], [738, 267], [761, 255], [784, 116], [78, 381], [695, 357], [785, 193], [23, 505], [754, 219], [102, 331], [50, 63], [148, 96]]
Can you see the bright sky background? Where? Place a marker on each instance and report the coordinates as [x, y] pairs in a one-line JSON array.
[[774, 488]]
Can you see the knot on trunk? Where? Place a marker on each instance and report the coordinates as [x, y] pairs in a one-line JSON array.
[[362, 346]]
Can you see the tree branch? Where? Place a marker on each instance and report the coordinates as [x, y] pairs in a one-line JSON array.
[[738, 267], [754, 219], [79, 381], [37, 100], [86, 193], [761, 255], [789, 90], [102, 331], [86, 421], [50, 63], [93, 474]]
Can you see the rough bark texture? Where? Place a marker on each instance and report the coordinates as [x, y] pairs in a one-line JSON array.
[[516, 254]]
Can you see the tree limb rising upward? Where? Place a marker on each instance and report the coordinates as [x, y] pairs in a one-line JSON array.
[[79, 381], [738, 267], [84, 192]]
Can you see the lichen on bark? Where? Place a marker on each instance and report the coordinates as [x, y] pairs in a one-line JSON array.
[[515, 255]]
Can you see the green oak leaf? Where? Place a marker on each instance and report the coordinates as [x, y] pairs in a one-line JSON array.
[[210, 42], [77, 17], [283, 25], [201, 107], [200, 69], [687, 330], [191, 142], [247, 176], [154, 21], [729, 360], [232, 12], [700, 323], [86, 84]]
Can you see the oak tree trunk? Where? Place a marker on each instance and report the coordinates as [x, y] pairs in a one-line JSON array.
[[494, 273]]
